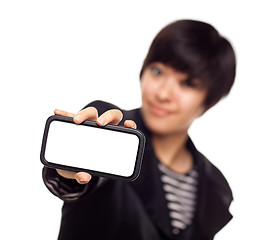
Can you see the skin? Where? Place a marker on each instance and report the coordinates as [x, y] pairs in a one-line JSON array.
[[170, 103]]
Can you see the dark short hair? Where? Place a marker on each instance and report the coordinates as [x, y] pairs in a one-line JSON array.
[[197, 49]]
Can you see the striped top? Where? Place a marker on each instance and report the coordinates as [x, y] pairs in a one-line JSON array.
[[180, 193]]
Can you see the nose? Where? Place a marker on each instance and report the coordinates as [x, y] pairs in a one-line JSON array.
[[165, 90]]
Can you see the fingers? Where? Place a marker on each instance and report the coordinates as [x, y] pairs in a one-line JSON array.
[[113, 116], [89, 113], [80, 177], [63, 113], [66, 174], [130, 124]]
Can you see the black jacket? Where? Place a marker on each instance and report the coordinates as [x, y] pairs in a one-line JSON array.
[[109, 209]]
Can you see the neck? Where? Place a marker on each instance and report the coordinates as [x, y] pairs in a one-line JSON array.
[[172, 152]]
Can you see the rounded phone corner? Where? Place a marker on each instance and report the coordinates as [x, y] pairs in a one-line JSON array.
[[53, 128]]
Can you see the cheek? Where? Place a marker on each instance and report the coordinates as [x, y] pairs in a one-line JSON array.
[[191, 104], [147, 87]]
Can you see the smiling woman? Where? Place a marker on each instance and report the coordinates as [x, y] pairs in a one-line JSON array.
[[170, 103], [179, 193], [64, 54], [198, 50]]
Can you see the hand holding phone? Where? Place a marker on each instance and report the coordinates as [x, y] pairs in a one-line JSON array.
[[108, 151]]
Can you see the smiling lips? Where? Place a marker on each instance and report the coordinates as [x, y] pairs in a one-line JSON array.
[[159, 111]]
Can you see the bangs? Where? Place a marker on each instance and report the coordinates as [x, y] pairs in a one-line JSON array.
[[182, 58], [197, 49]]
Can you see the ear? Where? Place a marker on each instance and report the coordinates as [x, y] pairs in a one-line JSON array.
[[204, 108], [201, 111]]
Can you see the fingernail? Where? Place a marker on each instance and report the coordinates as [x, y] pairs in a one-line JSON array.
[[56, 111], [81, 181], [132, 125], [101, 121], [84, 179], [78, 118]]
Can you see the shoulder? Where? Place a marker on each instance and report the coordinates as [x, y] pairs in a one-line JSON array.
[[216, 180], [215, 195], [211, 175]]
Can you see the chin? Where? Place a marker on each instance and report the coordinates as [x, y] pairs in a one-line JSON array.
[[165, 127], [157, 127]]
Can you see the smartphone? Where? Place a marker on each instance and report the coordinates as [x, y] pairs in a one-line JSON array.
[[111, 151]]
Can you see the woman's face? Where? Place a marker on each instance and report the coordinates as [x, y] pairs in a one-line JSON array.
[[170, 100]]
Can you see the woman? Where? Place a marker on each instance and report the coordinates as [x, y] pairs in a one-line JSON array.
[[179, 193]]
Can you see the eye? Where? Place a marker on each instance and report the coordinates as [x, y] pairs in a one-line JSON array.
[[156, 71], [188, 83]]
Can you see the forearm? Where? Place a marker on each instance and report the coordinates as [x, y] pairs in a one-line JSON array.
[[65, 189]]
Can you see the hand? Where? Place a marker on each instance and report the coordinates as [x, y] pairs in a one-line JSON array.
[[113, 116]]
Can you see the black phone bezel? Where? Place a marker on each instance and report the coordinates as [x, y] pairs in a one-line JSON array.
[[139, 155]]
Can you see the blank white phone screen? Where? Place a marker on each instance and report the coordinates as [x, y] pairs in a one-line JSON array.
[[92, 148]]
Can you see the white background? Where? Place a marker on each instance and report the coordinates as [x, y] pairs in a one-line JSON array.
[[64, 54]]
